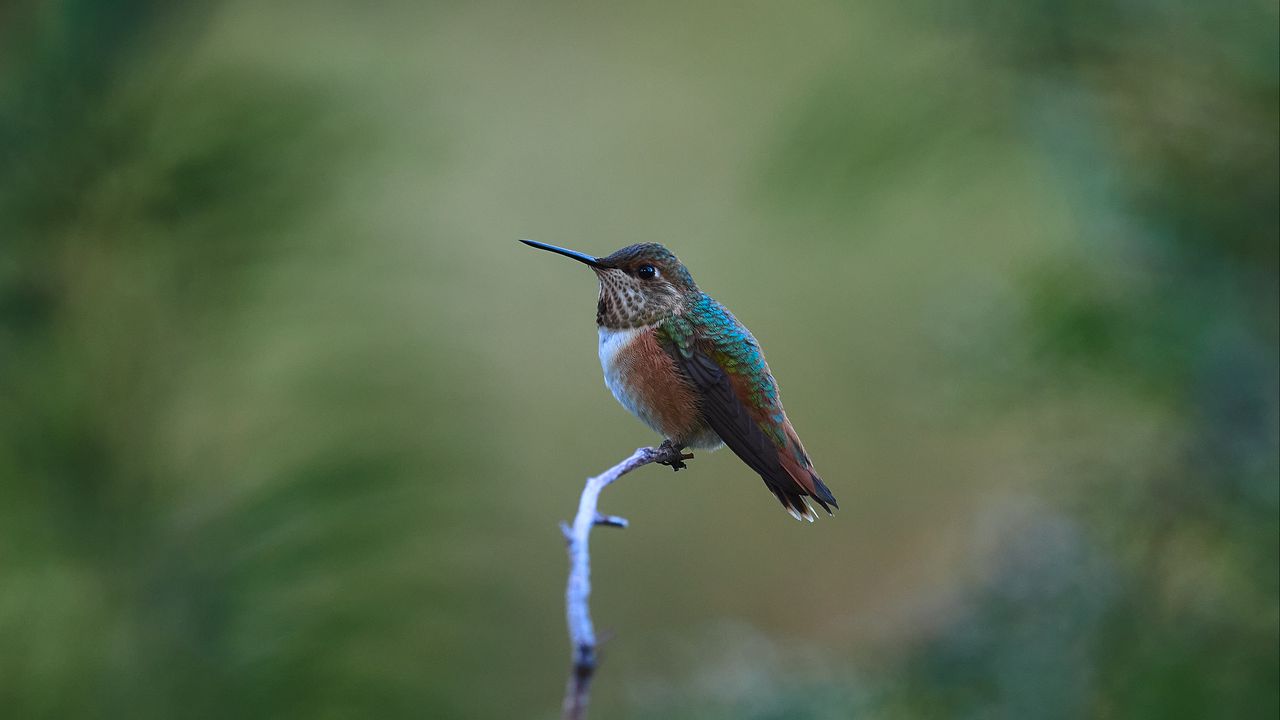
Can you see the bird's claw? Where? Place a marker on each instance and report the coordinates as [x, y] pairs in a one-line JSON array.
[[676, 465], [675, 456]]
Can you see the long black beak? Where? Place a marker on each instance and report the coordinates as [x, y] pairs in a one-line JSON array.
[[580, 257]]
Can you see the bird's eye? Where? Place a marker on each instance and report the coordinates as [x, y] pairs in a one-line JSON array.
[[646, 272]]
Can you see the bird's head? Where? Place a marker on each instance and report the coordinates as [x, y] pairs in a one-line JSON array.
[[639, 284]]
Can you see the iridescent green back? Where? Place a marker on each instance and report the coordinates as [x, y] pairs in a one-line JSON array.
[[734, 349]]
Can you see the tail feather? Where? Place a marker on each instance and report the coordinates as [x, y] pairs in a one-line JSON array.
[[804, 482], [822, 494], [795, 504]]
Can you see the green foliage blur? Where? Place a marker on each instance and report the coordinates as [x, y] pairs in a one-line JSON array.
[[288, 418]]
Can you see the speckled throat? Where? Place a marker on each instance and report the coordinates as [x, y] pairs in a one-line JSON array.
[[626, 302]]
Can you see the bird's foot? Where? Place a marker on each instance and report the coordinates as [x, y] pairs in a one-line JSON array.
[[673, 456]]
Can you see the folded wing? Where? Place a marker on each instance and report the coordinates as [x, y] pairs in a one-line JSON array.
[[785, 471]]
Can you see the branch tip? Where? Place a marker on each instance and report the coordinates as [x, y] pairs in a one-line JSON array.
[[611, 521]]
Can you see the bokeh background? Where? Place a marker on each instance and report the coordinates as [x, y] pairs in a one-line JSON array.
[[288, 418]]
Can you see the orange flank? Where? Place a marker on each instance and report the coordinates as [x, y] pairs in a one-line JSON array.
[[652, 378]]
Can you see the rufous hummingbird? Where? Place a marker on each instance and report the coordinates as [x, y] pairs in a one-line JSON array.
[[685, 366]]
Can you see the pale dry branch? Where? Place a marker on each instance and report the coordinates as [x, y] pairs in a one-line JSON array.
[[582, 634]]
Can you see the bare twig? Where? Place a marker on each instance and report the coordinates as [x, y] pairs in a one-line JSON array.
[[582, 634]]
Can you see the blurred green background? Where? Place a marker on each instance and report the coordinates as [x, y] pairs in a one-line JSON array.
[[288, 419]]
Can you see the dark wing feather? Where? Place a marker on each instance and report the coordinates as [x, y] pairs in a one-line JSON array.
[[732, 421]]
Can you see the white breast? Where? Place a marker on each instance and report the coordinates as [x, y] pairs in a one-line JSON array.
[[611, 344]]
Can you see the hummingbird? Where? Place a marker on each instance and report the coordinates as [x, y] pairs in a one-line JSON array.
[[683, 364]]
